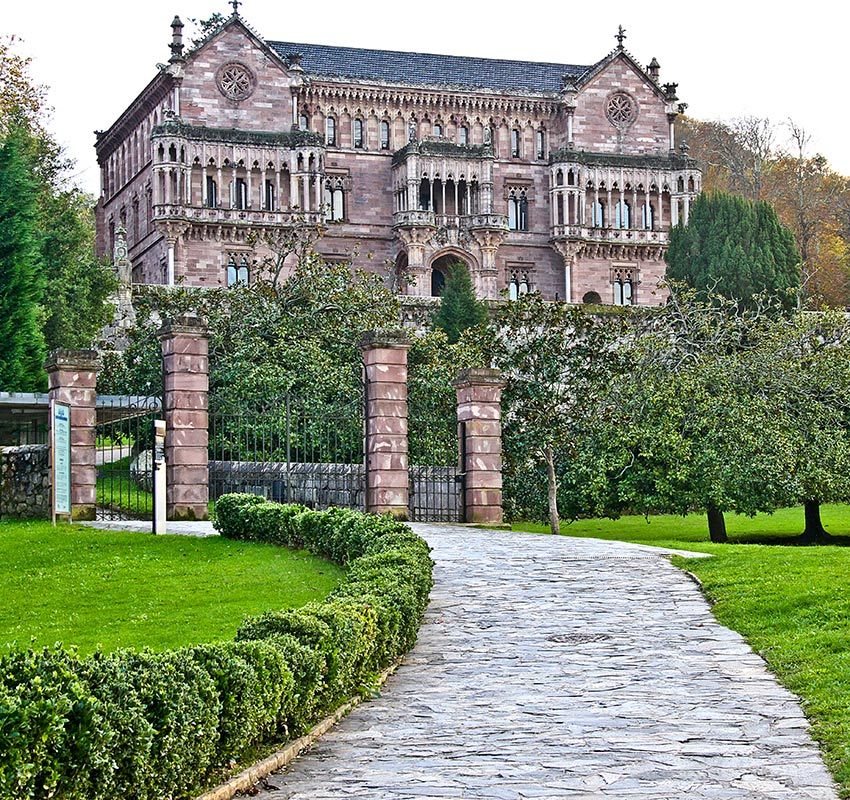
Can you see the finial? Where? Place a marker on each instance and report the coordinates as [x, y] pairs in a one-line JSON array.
[[235, 4], [176, 40], [654, 69], [621, 35]]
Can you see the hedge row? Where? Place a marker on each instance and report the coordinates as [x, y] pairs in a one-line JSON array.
[[148, 726]]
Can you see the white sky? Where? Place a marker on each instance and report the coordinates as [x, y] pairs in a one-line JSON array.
[[775, 59]]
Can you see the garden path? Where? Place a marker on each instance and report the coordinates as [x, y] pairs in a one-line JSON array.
[[566, 668]]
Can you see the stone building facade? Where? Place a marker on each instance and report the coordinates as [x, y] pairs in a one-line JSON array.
[[559, 178]]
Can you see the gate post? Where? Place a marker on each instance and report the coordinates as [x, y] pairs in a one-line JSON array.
[[479, 413], [386, 451], [72, 379], [185, 360]]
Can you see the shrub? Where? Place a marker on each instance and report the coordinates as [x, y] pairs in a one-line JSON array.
[[142, 726]]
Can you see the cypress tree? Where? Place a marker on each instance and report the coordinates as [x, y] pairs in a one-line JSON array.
[[459, 308], [734, 247], [22, 348]]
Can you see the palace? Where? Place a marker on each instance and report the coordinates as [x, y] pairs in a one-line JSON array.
[[558, 178]]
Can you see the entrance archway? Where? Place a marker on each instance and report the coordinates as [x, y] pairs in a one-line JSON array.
[[440, 269]]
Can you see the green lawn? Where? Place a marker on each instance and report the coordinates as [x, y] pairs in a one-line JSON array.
[[86, 587], [792, 603]]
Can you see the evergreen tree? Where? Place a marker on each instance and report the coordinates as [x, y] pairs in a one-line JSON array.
[[734, 247], [22, 348], [459, 309]]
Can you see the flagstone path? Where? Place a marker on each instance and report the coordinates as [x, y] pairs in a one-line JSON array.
[[565, 668]]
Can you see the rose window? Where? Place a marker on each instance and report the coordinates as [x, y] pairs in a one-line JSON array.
[[621, 110], [235, 82]]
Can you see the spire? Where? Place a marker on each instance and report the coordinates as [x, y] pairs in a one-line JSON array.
[[620, 37], [176, 40], [654, 69]]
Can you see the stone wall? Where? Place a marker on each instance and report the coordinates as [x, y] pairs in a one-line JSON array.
[[25, 481]]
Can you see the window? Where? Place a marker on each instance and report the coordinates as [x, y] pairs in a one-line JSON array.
[[438, 129], [516, 143], [591, 299], [269, 196], [303, 122], [623, 215], [517, 211], [335, 201], [385, 135], [240, 194], [237, 271], [540, 141], [358, 134], [212, 192], [463, 134], [597, 212], [623, 289], [330, 132], [518, 286], [648, 217]]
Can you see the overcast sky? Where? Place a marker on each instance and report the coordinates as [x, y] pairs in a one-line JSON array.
[[774, 59]]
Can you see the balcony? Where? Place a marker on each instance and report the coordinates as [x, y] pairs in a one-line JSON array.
[[610, 235], [450, 221], [236, 216]]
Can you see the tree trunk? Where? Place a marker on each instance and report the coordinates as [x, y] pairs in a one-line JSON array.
[[554, 520], [716, 525], [814, 532]]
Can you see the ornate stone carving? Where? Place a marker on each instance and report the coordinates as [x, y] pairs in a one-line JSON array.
[[235, 81], [621, 110]]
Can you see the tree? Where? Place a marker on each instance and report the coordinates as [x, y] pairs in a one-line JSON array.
[[22, 348], [459, 308], [735, 248]]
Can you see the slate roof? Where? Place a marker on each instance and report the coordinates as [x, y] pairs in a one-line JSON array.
[[426, 69]]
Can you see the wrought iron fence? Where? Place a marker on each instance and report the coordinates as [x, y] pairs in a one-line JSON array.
[[289, 449], [124, 457]]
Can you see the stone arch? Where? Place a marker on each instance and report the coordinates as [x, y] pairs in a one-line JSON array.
[[442, 261]]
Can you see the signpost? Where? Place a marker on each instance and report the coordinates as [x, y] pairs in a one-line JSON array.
[[60, 459], [159, 485]]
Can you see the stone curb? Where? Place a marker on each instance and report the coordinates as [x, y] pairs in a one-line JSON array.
[[247, 779]]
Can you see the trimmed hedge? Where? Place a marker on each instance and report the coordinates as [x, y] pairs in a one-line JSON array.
[[148, 726]]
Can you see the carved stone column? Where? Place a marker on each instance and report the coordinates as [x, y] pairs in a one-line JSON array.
[[569, 252], [415, 229], [489, 231]]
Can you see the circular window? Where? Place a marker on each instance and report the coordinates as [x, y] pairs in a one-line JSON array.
[[235, 81], [621, 110]]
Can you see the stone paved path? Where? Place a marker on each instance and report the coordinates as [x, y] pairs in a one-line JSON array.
[[566, 668]]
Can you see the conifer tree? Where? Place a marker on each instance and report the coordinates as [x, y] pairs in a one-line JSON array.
[[459, 308], [734, 247], [22, 348]]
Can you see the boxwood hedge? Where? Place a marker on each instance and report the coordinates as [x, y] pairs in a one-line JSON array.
[[147, 726]]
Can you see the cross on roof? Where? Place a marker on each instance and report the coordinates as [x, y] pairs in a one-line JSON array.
[[235, 4], [621, 34]]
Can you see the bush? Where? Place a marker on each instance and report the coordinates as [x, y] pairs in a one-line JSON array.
[[142, 726]]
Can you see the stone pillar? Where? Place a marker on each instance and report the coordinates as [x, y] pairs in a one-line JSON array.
[[72, 378], [479, 395], [185, 373], [387, 478]]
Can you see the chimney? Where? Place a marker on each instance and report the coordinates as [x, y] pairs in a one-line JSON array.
[[294, 62], [176, 40]]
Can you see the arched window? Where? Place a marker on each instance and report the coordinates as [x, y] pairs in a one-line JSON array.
[[591, 299], [212, 192], [303, 122], [513, 289], [691, 184], [237, 272], [358, 134], [597, 216], [385, 135], [335, 201], [540, 144], [269, 190], [648, 217], [623, 290], [438, 129], [622, 215], [517, 211], [516, 143], [571, 178], [680, 184], [463, 134], [330, 132], [438, 282], [240, 194], [559, 178]]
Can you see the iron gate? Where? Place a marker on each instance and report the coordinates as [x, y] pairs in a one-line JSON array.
[[437, 480], [124, 456], [290, 450]]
